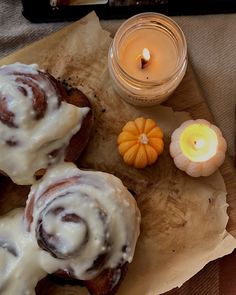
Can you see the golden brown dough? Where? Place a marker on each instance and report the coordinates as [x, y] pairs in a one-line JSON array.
[[79, 141], [108, 282]]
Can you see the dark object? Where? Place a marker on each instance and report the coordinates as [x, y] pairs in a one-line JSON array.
[[43, 11], [105, 284]]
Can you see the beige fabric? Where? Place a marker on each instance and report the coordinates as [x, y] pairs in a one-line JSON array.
[[212, 49]]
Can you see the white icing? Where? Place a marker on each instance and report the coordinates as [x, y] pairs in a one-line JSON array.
[[23, 263], [36, 138], [88, 196], [20, 271], [68, 233], [90, 215]]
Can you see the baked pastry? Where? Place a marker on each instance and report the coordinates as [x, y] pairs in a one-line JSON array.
[[41, 122], [19, 266], [88, 224], [9, 255]]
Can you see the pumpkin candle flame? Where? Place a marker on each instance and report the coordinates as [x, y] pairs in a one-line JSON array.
[[199, 143], [145, 58]]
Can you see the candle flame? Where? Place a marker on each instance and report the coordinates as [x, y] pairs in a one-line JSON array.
[[146, 54], [145, 57], [198, 142]]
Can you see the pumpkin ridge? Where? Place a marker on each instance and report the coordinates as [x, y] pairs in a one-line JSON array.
[[129, 133], [131, 128], [150, 159], [149, 125], [140, 128], [155, 132], [123, 137], [154, 136], [129, 140], [130, 154], [157, 144], [125, 146], [137, 165]]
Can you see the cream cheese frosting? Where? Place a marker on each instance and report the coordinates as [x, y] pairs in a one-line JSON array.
[[85, 214], [81, 222], [33, 138], [20, 269]]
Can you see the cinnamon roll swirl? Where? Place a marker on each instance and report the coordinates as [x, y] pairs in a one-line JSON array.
[[37, 126], [87, 223]]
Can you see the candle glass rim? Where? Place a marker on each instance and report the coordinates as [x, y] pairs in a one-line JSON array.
[[161, 17]]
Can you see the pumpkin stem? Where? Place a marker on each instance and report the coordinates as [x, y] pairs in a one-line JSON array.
[[143, 138]]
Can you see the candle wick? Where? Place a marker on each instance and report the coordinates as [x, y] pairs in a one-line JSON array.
[[145, 58], [198, 144], [143, 63]]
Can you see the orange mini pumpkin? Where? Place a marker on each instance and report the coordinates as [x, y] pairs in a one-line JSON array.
[[140, 142]]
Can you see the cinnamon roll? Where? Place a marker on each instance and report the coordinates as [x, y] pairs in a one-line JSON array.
[[86, 222], [37, 126], [19, 266]]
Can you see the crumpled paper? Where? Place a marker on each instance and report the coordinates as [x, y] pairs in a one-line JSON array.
[[183, 219]]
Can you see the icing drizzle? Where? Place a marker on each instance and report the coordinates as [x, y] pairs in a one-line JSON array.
[[33, 132], [79, 222]]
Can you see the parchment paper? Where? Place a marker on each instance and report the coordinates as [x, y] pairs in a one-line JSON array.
[[183, 219]]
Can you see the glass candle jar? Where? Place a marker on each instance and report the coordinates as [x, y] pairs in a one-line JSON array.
[[147, 59]]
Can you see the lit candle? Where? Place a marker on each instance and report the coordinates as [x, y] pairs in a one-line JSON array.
[[148, 58], [153, 48], [145, 58], [198, 148]]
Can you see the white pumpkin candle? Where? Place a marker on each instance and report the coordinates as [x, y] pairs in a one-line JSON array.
[[198, 148]]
